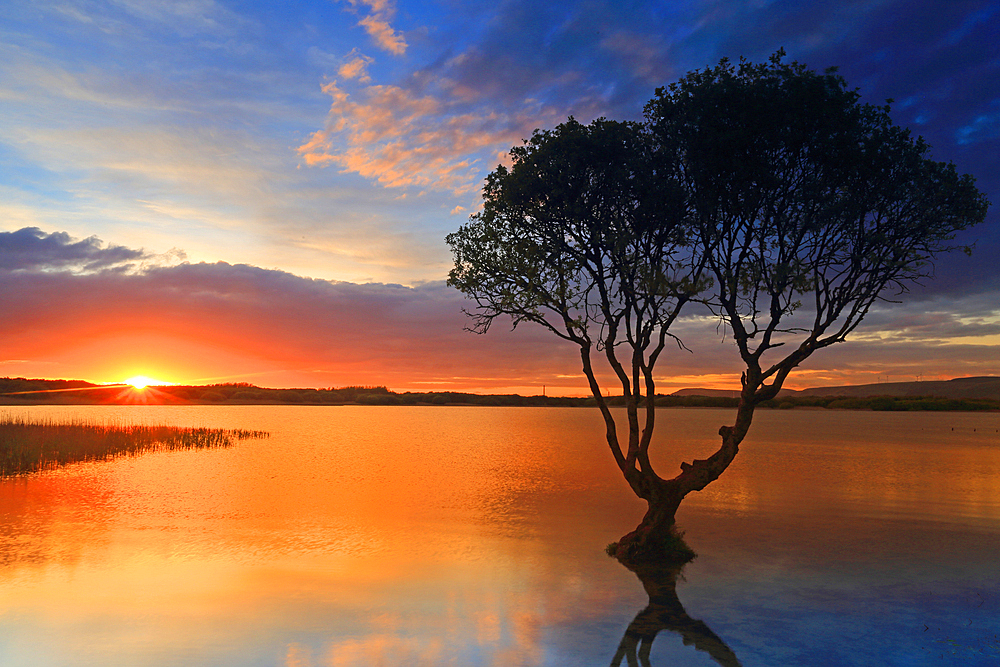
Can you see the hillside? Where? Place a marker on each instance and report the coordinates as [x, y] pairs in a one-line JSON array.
[[951, 394], [714, 393], [11, 385], [22, 391], [971, 387], [959, 388]]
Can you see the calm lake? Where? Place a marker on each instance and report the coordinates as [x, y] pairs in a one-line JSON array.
[[467, 536]]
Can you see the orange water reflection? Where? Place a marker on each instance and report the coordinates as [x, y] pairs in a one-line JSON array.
[[431, 536], [399, 541]]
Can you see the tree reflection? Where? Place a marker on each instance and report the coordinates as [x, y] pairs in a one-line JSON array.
[[665, 612]]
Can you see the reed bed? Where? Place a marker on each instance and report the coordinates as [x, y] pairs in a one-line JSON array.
[[30, 446]]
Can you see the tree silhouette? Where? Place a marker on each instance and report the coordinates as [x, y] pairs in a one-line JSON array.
[[767, 193]]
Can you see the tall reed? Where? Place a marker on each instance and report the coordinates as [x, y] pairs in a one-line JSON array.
[[29, 446]]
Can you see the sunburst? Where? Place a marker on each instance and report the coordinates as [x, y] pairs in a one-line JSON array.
[[140, 382]]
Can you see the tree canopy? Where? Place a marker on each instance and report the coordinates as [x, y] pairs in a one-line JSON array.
[[584, 237], [767, 193], [803, 199]]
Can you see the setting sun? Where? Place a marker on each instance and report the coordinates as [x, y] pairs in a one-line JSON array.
[[141, 381]]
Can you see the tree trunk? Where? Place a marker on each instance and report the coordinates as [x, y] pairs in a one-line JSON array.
[[656, 538]]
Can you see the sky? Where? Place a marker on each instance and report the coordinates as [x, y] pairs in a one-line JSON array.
[[205, 191]]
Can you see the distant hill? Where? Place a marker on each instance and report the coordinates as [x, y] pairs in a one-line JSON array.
[[987, 387], [23, 391], [714, 393], [957, 394], [11, 385]]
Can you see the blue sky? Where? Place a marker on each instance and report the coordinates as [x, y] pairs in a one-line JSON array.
[[316, 141]]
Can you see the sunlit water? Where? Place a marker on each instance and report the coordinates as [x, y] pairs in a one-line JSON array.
[[425, 536]]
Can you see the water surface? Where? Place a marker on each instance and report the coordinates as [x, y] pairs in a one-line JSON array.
[[474, 536]]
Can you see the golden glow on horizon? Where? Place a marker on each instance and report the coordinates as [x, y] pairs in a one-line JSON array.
[[142, 381]]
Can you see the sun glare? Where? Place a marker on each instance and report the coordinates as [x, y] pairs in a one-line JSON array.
[[141, 381]]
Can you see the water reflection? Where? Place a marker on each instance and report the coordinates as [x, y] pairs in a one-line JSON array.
[[421, 537], [666, 612]]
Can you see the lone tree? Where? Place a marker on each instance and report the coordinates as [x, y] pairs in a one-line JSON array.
[[586, 237], [766, 192]]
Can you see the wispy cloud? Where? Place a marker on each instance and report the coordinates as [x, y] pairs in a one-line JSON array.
[[356, 67], [376, 24], [204, 14], [643, 55], [120, 17], [400, 138], [135, 159]]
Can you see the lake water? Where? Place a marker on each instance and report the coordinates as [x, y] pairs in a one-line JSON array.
[[467, 536]]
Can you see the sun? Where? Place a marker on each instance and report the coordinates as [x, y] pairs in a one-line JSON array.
[[141, 381]]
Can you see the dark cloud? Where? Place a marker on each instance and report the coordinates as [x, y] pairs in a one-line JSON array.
[[583, 59], [934, 319], [31, 249], [939, 62]]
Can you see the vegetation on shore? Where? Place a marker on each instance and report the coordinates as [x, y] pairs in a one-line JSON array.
[[19, 391], [887, 403], [29, 446], [877, 403]]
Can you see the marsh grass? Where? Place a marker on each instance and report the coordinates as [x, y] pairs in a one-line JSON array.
[[29, 446]]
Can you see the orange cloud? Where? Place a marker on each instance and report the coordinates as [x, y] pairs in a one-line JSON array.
[[383, 34], [377, 25], [356, 67], [204, 323], [401, 139]]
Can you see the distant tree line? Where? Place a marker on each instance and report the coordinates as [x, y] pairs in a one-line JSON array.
[[887, 403], [9, 385], [244, 393]]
